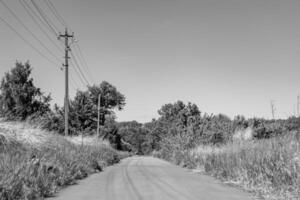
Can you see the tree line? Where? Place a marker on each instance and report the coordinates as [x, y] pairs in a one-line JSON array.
[[180, 126], [20, 99]]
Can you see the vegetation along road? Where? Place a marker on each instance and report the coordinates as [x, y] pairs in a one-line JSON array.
[[142, 178]]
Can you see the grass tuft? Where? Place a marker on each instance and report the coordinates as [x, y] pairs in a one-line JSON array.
[[39, 167], [269, 167]]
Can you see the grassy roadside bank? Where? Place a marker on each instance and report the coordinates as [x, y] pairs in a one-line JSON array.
[[270, 168], [34, 165]]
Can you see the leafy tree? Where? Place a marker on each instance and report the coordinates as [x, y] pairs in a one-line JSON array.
[[156, 132], [178, 113], [83, 113], [19, 97], [110, 132], [129, 131], [110, 99]]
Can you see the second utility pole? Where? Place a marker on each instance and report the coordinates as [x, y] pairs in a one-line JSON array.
[[99, 106], [66, 65], [273, 109], [298, 102]]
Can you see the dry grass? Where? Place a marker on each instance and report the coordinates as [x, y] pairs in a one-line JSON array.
[[35, 164], [270, 168]]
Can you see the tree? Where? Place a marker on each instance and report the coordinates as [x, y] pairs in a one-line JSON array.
[[129, 131], [83, 113], [84, 109], [19, 97], [111, 133], [178, 112], [111, 98]]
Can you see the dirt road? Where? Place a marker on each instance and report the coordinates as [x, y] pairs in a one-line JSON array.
[[147, 178]]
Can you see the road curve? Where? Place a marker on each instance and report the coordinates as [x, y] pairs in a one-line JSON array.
[[148, 178]]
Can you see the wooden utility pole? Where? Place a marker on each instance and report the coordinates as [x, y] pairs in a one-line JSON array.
[[66, 65], [98, 121], [298, 102], [273, 109]]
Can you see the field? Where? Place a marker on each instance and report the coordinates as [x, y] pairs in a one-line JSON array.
[[270, 168], [36, 163]]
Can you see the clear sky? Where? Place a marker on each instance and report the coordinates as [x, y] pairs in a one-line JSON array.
[[227, 56]]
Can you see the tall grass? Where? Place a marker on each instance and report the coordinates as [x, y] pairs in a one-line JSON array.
[[31, 170], [270, 167]]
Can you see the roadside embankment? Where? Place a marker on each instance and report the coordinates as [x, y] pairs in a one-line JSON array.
[[35, 163]]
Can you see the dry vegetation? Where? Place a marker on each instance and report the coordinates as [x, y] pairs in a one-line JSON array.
[[269, 167], [260, 155], [34, 163]]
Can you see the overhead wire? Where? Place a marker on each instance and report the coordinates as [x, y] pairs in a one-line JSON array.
[[78, 67], [77, 48], [30, 11], [38, 16], [28, 30], [26, 41], [74, 83], [43, 18], [83, 61], [27, 9], [48, 21], [55, 12], [77, 73]]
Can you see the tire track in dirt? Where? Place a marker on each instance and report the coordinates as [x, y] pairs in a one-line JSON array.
[[159, 183], [148, 178], [132, 188], [155, 184]]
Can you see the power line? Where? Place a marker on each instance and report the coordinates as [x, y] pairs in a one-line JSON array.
[[82, 58], [27, 9], [28, 30], [56, 13], [77, 48], [50, 24], [73, 80], [36, 14], [80, 71], [26, 41], [77, 72], [75, 63], [73, 83], [81, 62]]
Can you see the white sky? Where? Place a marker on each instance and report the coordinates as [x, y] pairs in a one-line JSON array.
[[227, 56]]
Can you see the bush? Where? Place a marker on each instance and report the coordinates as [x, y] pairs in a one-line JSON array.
[[31, 172]]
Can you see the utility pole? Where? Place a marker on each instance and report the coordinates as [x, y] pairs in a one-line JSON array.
[[66, 36], [298, 102], [99, 101], [273, 109]]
